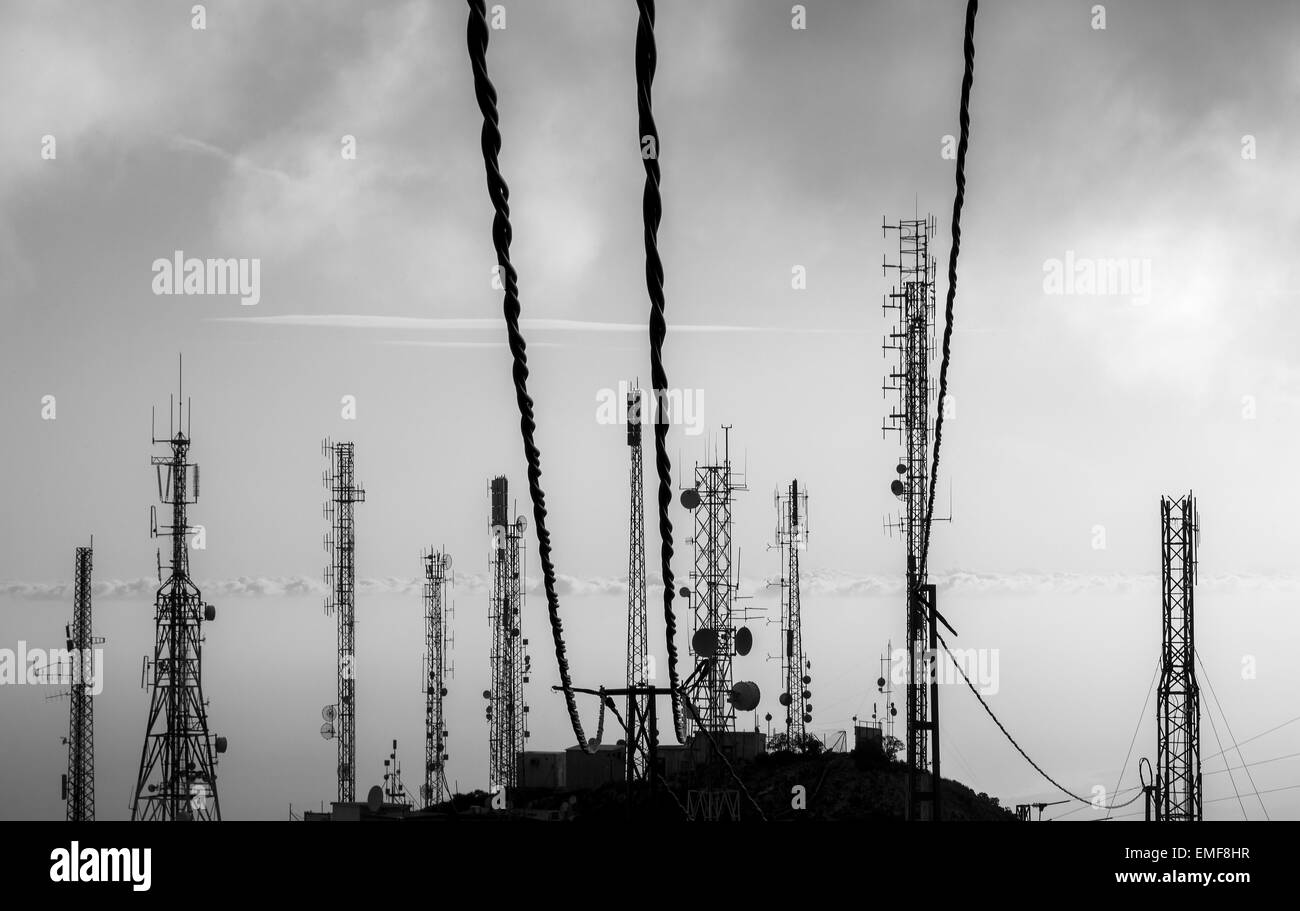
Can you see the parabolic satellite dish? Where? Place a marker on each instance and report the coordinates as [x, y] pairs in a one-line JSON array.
[[705, 642], [744, 640], [744, 695]]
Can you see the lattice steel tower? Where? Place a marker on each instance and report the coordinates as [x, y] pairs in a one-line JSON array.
[[437, 668], [79, 782], [796, 678], [912, 339], [638, 641], [715, 583], [1178, 703], [178, 763], [507, 713], [341, 576]]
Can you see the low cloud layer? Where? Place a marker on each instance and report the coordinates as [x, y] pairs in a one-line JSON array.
[[816, 584]]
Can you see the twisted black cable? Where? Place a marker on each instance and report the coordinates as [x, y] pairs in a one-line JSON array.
[[652, 210], [477, 41], [964, 118]]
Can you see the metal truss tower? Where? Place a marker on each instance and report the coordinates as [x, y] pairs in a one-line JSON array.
[[713, 575], [912, 338], [638, 641], [792, 537], [178, 763], [341, 576], [1178, 701], [437, 668], [507, 713], [79, 782]]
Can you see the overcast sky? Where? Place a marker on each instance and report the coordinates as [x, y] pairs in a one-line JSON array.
[[1168, 139]]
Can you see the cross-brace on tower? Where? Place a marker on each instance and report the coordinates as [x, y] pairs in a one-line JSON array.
[[1178, 700], [178, 763], [792, 537], [344, 492], [437, 668], [912, 338], [638, 642], [507, 713], [713, 639], [79, 781]]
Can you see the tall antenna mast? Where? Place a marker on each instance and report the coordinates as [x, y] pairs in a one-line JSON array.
[[796, 669], [1178, 698], [79, 781], [638, 639], [344, 492], [912, 338], [507, 713], [714, 577], [178, 763], [437, 668]]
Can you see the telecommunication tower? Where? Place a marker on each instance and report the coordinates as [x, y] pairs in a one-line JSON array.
[[791, 538], [437, 668], [344, 492], [393, 789], [912, 339], [885, 687], [638, 641], [1178, 699], [178, 763], [79, 781], [715, 639], [507, 713]]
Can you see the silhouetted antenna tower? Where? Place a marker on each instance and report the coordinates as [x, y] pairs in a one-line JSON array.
[[178, 763], [79, 781], [344, 492], [1178, 699], [507, 713], [796, 669], [437, 668], [393, 789], [886, 709], [912, 338], [638, 640], [714, 638]]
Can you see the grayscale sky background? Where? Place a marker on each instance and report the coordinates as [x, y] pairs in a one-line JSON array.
[[779, 148]]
